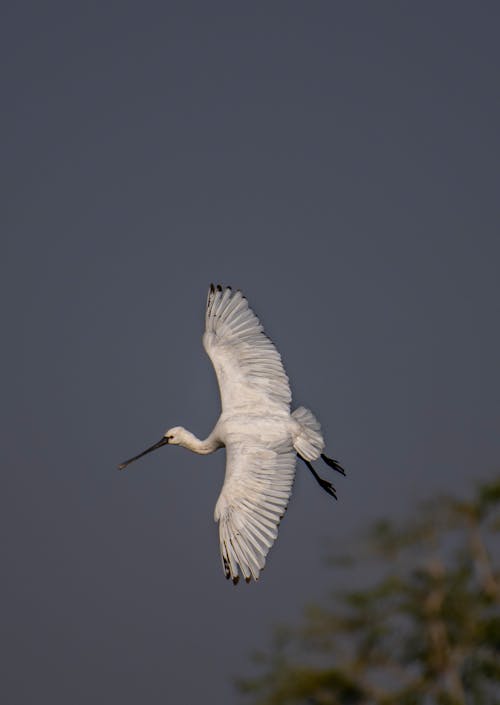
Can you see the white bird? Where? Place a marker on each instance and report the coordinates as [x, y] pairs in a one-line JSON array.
[[262, 438]]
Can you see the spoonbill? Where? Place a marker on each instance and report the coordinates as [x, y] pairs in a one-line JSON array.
[[262, 438]]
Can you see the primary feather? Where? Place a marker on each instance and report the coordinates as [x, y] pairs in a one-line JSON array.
[[248, 366]]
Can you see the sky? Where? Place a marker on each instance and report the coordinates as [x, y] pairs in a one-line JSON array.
[[336, 161]]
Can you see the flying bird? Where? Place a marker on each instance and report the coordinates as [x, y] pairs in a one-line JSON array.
[[261, 437]]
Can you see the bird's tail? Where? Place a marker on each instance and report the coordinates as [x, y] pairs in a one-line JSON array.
[[308, 441]]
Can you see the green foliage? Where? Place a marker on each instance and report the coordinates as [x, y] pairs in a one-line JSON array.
[[426, 631]]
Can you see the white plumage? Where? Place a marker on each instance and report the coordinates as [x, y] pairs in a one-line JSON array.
[[260, 435]]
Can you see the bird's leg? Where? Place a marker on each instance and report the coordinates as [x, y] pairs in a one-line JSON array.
[[327, 486], [333, 464]]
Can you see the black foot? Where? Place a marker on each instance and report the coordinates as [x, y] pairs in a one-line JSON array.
[[328, 487], [324, 484], [333, 464]]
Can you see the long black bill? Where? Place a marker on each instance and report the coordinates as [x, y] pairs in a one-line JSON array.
[[161, 443]]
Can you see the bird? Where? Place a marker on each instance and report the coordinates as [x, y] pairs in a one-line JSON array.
[[261, 436]]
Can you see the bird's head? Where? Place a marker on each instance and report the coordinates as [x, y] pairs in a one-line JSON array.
[[174, 436]]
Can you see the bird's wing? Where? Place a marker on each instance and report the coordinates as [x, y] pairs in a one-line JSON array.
[[253, 499], [248, 366]]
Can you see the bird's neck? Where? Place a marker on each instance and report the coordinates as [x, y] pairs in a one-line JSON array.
[[203, 447]]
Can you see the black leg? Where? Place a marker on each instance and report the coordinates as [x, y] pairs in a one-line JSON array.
[[333, 464], [327, 486]]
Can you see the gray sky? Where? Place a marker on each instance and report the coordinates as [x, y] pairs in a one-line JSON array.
[[338, 162]]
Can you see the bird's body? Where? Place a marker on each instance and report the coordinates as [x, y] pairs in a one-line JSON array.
[[262, 438]]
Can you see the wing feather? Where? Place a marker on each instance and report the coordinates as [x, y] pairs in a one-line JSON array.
[[248, 366], [260, 464], [253, 499]]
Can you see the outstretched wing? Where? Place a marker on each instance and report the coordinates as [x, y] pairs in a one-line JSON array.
[[260, 462], [248, 366], [254, 497]]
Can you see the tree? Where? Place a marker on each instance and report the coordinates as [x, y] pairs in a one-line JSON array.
[[425, 631]]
